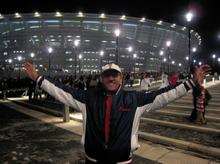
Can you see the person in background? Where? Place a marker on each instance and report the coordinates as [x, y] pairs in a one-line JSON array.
[[173, 78], [145, 82], [165, 81], [201, 97]]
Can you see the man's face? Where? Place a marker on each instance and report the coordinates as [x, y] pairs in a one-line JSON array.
[[111, 80]]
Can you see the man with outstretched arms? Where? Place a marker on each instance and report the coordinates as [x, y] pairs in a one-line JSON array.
[[111, 115]]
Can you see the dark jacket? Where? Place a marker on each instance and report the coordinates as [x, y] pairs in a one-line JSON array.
[[127, 108]]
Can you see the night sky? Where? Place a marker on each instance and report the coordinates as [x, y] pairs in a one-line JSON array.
[[206, 22]]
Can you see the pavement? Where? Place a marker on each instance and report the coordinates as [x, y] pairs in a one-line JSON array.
[[48, 127], [41, 138], [28, 136]]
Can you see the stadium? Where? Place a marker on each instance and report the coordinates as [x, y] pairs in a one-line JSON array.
[[81, 43]]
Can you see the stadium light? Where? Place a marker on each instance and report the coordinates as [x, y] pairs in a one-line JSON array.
[[50, 49], [173, 62], [80, 56], [36, 14], [143, 19], [187, 57], [164, 59], [19, 58], [180, 64], [213, 56], [58, 14], [80, 14], [123, 17], [194, 61], [32, 54], [161, 53], [76, 42], [200, 63], [101, 53], [184, 28], [130, 49], [117, 32], [9, 60], [1, 16], [168, 43], [218, 59], [102, 15], [134, 56], [17, 15], [194, 49], [160, 22], [189, 16]]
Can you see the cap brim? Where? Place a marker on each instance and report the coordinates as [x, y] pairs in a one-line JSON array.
[[110, 70]]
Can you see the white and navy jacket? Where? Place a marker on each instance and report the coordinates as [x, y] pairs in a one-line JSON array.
[[123, 139]]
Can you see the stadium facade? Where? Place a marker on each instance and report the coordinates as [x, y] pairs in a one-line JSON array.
[[57, 40]]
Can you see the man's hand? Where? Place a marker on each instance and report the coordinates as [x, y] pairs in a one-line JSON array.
[[30, 71], [200, 73]]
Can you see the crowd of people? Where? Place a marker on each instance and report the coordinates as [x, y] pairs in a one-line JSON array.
[[19, 86]]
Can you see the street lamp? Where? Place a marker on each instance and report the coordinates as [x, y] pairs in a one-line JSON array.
[[130, 49], [213, 56], [76, 44], [101, 54], [50, 50], [134, 57], [168, 44], [9, 61], [161, 53], [194, 49], [189, 16], [19, 58], [117, 33], [32, 55], [213, 60], [80, 57]]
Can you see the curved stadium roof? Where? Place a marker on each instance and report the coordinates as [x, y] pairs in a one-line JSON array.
[[25, 34]]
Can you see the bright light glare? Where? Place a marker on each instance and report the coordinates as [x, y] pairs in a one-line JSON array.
[[194, 49], [19, 58], [101, 53], [76, 42], [32, 54], [130, 49], [168, 43], [189, 16], [80, 56], [134, 55], [50, 49], [117, 32], [10, 60], [102, 15]]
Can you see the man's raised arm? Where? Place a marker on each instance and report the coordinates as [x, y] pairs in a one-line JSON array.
[[67, 95], [160, 98]]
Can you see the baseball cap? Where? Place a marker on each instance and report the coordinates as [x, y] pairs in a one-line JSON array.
[[111, 66]]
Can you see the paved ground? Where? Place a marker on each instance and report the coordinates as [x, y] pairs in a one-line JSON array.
[[24, 139]]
